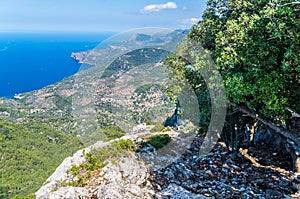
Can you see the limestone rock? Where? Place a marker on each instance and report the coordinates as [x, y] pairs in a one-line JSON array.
[[173, 191], [127, 179], [68, 193], [61, 175]]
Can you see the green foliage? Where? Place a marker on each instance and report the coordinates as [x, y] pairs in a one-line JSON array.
[[31, 196], [157, 141], [82, 172], [123, 145], [112, 132], [186, 79], [115, 150], [3, 108], [74, 170], [91, 162], [81, 181], [255, 46], [29, 153], [97, 158], [108, 73], [150, 122]]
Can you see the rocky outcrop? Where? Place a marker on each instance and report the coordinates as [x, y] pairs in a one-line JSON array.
[[61, 175], [177, 192], [127, 179], [253, 173], [69, 193]]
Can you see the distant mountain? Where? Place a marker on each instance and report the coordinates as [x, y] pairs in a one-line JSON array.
[[141, 37]]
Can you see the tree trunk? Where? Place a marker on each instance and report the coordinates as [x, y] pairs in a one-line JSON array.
[[287, 134], [293, 125], [290, 148], [297, 164]]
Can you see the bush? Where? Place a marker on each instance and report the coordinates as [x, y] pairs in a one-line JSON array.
[[123, 144], [157, 128], [74, 170], [91, 162], [80, 182], [157, 141]]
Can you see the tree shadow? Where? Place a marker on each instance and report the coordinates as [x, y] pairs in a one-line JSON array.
[[268, 157], [221, 175]]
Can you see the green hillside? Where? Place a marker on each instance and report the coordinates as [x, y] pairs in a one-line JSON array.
[[135, 58], [29, 154]]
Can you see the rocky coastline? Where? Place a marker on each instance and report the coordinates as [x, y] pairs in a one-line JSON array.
[[80, 57]]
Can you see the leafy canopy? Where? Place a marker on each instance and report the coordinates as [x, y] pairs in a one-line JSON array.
[[255, 45]]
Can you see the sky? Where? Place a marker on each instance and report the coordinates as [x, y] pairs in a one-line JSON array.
[[97, 15]]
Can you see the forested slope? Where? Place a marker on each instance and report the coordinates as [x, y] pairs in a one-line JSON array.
[[29, 153]]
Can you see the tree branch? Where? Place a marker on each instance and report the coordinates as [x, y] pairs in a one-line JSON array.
[[288, 4], [294, 114], [271, 125]]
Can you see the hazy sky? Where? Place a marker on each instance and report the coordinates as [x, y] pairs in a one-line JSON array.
[[97, 15]]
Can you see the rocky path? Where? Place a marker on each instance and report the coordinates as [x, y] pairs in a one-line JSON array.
[[252, 174]]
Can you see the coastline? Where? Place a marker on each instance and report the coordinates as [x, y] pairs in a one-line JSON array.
[[34, 61]]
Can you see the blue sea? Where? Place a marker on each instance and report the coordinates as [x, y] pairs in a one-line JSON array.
[[31, 61]]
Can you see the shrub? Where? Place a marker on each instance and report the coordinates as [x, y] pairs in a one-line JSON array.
[[157, 128], [157, 141], [123, 144]]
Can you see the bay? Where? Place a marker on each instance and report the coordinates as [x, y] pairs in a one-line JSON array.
[[31, 61]]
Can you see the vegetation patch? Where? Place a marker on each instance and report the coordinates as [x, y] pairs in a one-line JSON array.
[[133, 59], [116, 149], [158, 127], [112, 132], [31, 196], [98, 159], [30, 153], [63, 103], [157, 141]]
